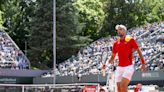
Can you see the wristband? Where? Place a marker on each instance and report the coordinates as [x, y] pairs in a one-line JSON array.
[[142, 61]]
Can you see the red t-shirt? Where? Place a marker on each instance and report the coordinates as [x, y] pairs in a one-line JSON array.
[[125, 51]]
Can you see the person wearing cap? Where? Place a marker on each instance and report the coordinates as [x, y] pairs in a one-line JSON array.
[[124, 47], [138, 88]]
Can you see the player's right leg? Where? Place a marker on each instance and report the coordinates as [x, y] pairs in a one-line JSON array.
[[119, 73]]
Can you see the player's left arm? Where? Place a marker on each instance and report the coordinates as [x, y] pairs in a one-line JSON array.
[[136, 47], [142, 59]]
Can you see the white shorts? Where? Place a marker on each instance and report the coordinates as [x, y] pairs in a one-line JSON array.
[[124, 72]]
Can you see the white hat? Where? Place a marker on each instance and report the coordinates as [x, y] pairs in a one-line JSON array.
[[121, 26]]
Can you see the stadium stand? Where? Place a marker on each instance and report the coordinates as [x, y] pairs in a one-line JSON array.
[[11, 57], [90, 58]]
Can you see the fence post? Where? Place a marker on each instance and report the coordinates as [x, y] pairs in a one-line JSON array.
[[98, 89], [22, 88]]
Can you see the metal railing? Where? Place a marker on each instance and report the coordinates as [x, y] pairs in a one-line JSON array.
[[76, 87]]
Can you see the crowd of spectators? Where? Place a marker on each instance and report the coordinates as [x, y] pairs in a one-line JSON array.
[[10, 56], [89, 59]]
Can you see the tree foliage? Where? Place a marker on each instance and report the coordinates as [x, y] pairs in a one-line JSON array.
[[91, 14], [131, 13], [69, 39], [41, 34], [16, 19]]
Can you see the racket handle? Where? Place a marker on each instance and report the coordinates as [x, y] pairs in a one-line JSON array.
[[103, 72]]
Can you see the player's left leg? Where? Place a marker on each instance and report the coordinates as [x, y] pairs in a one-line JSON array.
[[118, 86], [126, 77], [124, 84]]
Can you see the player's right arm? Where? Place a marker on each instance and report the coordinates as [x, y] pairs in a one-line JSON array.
[[111, 60], [114, 52]]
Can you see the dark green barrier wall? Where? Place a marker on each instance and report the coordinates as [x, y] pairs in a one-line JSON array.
[[16, 80], [144, 78]]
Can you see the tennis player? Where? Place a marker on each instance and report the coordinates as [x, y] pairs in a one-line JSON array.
[[124, 48]]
